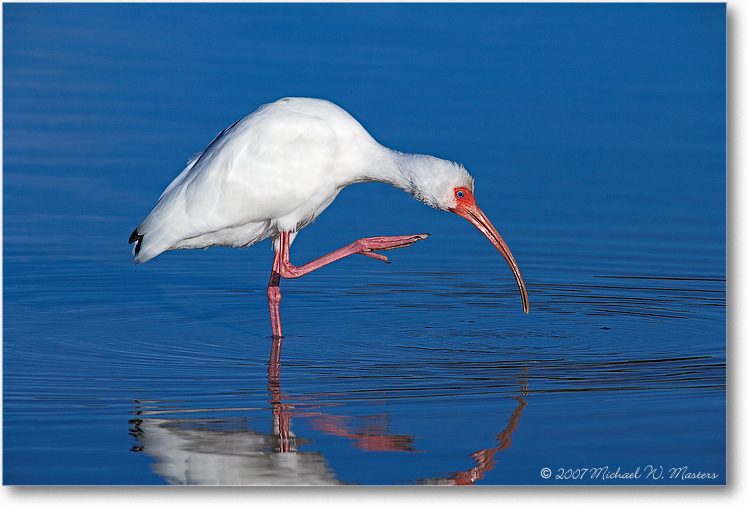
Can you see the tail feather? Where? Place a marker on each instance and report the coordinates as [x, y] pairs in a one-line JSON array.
[[137, 238]]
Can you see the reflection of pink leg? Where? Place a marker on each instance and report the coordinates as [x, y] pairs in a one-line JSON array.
[[280, 413], [282, 267]]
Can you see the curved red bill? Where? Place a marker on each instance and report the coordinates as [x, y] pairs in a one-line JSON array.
[[468, 209]]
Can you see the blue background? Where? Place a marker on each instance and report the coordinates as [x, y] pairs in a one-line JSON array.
[[596, 134]]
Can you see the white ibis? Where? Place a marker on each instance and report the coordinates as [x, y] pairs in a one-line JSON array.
[[273, 172]]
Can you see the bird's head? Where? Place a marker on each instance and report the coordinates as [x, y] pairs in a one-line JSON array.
[[466, 207], [447, 186]]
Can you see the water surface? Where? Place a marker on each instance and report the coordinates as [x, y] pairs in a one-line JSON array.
[[596, 134]]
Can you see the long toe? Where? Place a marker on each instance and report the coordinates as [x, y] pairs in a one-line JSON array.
[[386, 243]]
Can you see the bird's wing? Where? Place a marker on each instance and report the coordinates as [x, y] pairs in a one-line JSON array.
[[267, 170], [264, 167], [191, 162]]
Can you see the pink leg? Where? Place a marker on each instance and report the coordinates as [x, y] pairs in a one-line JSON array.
[[274, 298], [282, 267], [364, 246]]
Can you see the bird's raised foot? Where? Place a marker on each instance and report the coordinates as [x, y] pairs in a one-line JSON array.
[[364, 246], [367, 245]]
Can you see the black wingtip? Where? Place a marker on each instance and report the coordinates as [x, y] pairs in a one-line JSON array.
[[136, 237]]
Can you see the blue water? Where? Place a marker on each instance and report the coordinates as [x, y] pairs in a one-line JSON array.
[[596, 134]]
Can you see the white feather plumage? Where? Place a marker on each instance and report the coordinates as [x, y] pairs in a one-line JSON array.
[[276, 170]]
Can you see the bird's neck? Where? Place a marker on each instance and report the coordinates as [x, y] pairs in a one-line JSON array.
[[402, 170], [416, 174]]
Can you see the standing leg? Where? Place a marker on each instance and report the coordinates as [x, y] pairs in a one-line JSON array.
[[282, 267], [274, 297]]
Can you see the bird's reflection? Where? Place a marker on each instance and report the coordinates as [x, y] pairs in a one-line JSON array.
[[231, 452], [192, 451], [485, 459], [373, 436]]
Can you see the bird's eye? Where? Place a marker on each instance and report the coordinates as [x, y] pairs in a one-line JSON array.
[[459, 194]]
